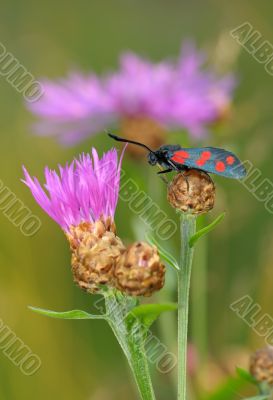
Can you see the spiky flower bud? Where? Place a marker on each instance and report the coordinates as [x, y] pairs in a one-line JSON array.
[[139, 271], [261, 365], [192, 191], [95, 252], [144, 130]]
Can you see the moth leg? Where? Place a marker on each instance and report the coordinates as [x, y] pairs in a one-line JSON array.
[[162, 171], [173, 166], [186, 178], [165, 171]]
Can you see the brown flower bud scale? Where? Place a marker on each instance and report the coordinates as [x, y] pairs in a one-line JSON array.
[[192, 191], [139, 271], [261, 365], [95, 252]]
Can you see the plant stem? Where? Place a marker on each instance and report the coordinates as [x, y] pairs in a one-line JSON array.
[[188, 228], [199, 298], [132, 344]]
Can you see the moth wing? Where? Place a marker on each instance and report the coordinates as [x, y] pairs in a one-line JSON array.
[[212, 160]]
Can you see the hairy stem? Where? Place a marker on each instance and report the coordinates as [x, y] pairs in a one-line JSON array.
[[188, 228], [199, 298], [132, 344]]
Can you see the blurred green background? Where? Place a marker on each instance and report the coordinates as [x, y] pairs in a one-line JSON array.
[[81, 359]]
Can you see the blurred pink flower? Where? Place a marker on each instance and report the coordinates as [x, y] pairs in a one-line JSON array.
[[83, 191], [198, 97], [178, 95], [72, 108]]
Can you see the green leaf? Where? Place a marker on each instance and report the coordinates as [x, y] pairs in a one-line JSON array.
[[206, 230], [227, 390], [163, 253], [148, 313], [73, 314], [260, 397], [246, 376]]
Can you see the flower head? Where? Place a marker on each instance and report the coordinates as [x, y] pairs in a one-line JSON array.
[[82, 199], [192, 192], [261, 365], [72, 108], [139, 271], [83, 191], [198, 97], [140, 88], [172, 94]]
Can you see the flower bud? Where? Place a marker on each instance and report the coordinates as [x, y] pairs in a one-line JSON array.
[[143, 130], [261, 365], [139, 271], [192, 191], [95, 252]]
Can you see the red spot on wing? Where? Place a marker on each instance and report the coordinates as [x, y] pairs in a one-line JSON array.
[[220, 166], [200, 162], [230, 160], [205, 156], [180, 156]]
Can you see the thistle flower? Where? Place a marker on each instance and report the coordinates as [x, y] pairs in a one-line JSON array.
[[72, 108], [82, 199], [199, 97], [192, 192], [261, 365], [142, 99], [139, 271]]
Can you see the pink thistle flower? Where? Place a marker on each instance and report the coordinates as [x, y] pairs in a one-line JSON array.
[[178, 94], [82, 198], [140, 88], [83, 191], [72, 108], [199, 98]]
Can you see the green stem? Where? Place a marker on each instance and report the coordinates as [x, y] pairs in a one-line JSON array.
[[199, 298], [132, 344], [188, 228], [167, 326]]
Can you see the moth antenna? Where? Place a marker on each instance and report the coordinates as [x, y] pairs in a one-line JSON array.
[[120, 139]]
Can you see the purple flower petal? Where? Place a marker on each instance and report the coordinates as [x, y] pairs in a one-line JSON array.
[[84, 190], [181, 94]]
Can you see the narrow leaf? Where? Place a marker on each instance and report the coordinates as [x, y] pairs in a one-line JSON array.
[[73, 314], [206, 230], [163, 253], [260, 397], [148, 313], [246, 376], [227, 390]]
